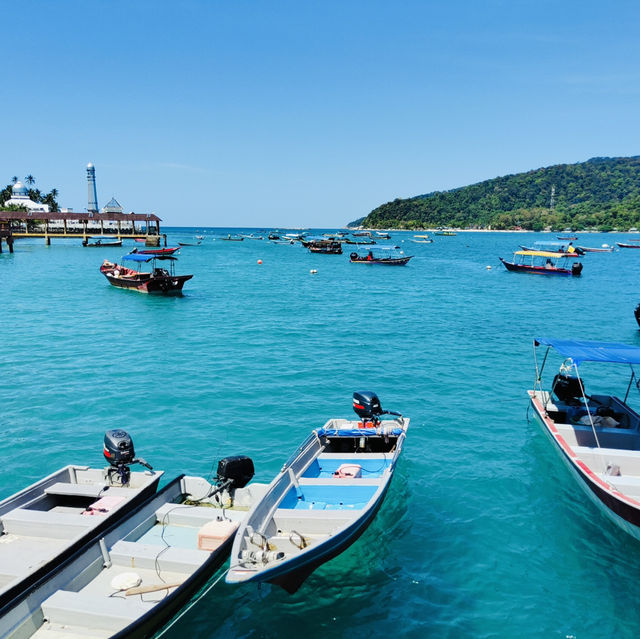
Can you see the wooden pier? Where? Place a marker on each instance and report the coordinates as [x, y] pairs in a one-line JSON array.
[[21, 224]]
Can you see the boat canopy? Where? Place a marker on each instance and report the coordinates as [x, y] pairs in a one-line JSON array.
[[539, 254], [543, 243], [582, 351], [141, 257]]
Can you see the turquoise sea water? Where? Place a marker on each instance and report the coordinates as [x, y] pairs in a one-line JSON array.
[[483, 533]]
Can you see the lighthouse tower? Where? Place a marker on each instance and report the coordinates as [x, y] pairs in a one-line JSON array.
[[92, 207]]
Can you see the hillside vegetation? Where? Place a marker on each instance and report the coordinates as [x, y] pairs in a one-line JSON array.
[[602, 193]]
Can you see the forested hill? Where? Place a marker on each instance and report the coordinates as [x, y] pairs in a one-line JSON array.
[[602, 193]]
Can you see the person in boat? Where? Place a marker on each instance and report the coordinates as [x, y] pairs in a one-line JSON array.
[[548, 263], [571, 248], [369, 256]]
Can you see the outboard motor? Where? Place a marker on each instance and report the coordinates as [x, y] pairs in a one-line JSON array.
[[235, 472], [367, 406], [119, 452], [567, 388], [576, 268]]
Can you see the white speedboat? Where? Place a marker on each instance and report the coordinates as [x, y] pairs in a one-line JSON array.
[[597, 435], [322, 500], [47, 522], [140, 572]]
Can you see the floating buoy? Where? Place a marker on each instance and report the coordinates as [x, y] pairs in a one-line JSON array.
[[259, 261], [605, 246], [313, 271], [488, 268]]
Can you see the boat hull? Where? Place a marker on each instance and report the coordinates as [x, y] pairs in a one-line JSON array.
[[391, 261], [622, 510], [636, 246], [537, 270]]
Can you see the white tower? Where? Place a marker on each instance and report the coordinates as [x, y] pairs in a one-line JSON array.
[[92, 207]]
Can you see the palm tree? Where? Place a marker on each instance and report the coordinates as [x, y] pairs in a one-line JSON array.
[[14, 179], [30, 179], [54, 193]]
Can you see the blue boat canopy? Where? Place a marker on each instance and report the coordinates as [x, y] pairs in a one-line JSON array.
[[140, 257], [581, 351]]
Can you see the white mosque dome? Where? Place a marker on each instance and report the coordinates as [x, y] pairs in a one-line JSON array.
[[19, 189]]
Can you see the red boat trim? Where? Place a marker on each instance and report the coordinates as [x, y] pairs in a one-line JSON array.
[[574, 458]]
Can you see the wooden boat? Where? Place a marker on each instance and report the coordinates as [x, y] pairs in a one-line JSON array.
[[621, 245], [101, 241], [157, 251], [422, 239], [387, 255], [186, 244], [567, 237], [234, 238], [382, 236], [593, 249], [445, 233], [327, 247], [159, 281], [360, 242], [542, 263], [322, 500], [141, 571], [597, 436], [44, 524]]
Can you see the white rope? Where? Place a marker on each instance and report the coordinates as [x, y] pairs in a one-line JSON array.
[[192, 604]]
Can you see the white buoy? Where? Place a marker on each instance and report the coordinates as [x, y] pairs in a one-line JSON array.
[[605, 246], [313, 271], [488, 268]]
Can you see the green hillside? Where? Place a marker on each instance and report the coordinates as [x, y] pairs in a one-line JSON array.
[[602, 193]]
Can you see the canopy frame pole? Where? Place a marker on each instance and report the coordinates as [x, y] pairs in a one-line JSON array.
[[586, 403], [537, 384], [633, 374]]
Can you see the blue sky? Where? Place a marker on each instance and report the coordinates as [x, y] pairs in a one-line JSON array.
[[303, 113]]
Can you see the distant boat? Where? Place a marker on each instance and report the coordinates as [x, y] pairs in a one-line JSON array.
[[444, 232], [101, 241], [592, 249], [156, 251], [386, 255], [186, 244], [232, 238], [542, 263], [383, 236], [559, 248], [567, 237], [636, 246], [322, 499], [328, 247], [199, 237]]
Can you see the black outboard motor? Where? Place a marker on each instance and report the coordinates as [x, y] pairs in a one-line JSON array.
[[235, 472], [118, 451], [367, 406], [576, 269], [567, 388]]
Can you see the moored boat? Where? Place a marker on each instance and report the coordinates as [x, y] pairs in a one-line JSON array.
[[159, 281], [144, 569], [595, 249], [101, 241], [445, 233], [387, 255], [622, 245], [560, 248], [322, 500], [542, 263], [567, 237], [596, 435], [157, 251], [326, 246], [47, 522]]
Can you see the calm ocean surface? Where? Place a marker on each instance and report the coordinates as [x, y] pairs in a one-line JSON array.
[[479, 536]]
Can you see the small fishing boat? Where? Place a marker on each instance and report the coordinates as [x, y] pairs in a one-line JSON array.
[[47, 522], [199, 237], [101, 241], [382, 235], [326, 246], [232, 238], [596, 435], [361, 233], [157, 251], [187, 244], [388, 255], [559, 248], [322, 500], [567, 237], [444, 232], [360, 242], [621, 245], [594, 249], [159, 281], [422, 239], [143, 570], [542, 263]]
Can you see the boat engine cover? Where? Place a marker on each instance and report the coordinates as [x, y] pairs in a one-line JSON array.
[[118, 447], [366, 404], [567, 388], [239, 469]]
